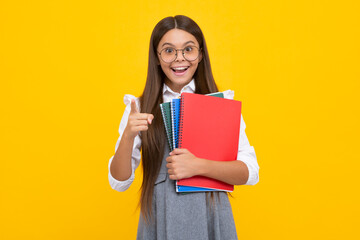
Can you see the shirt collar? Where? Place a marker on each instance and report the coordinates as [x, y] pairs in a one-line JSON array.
[[190, 87]]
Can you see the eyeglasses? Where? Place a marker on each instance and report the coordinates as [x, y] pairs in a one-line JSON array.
[[169, 54]]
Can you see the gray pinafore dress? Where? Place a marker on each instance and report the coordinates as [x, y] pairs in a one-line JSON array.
[[186, 216]]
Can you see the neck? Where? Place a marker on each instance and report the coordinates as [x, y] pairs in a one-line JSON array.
[[175, 87]]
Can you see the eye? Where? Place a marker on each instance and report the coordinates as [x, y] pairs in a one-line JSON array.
[[168, 50], [188, 49]]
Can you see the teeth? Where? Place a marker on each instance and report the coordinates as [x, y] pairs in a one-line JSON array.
[[180, 68]]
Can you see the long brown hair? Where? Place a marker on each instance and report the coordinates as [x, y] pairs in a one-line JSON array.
[[153, 140]]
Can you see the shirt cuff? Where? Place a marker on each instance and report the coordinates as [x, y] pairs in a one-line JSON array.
[[250, 161], [117, 185]]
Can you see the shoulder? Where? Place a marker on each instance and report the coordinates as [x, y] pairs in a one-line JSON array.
[[229, 94]]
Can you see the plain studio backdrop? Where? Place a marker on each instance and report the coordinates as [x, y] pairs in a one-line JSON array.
[[66, 65]]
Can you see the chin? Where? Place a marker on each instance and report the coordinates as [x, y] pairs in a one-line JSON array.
[[180, 81]]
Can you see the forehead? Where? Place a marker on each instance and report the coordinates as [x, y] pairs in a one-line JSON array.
[[177, 37]]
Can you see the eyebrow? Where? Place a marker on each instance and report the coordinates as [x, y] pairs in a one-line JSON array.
[[174, 45]]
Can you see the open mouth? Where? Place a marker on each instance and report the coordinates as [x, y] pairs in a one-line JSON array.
[[179, 69]]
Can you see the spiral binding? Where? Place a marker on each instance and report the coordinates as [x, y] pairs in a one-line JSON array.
[[182, 103], [166, 126], [173, 125]]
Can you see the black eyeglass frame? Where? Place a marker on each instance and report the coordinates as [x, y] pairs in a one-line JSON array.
[[176, 53]]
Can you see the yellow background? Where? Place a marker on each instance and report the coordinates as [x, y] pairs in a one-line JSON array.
[[66, 65]]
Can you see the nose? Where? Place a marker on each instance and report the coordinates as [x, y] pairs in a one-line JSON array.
[[179, 56]]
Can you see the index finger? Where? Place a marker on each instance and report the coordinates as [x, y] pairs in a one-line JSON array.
[[144, 116], [133, 107]]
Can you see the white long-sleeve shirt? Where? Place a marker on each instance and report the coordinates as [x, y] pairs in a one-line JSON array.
[[246, 153]]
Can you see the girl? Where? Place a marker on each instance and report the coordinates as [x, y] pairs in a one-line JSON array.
[[178, 62]]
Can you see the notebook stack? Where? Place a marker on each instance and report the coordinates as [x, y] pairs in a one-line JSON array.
[[208, 126]]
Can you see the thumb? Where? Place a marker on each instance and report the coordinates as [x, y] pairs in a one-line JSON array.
[[133, 107], [150, 118], [178, 151]]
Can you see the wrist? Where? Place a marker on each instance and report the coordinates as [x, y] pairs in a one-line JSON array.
[[128, 135], [201, 166]]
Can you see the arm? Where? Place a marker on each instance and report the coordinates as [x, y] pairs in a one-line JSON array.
[[245, 170], [231, 172], [120, 167], [127, 150], [183, 164]]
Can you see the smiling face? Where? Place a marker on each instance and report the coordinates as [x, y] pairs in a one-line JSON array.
[[179, 72]]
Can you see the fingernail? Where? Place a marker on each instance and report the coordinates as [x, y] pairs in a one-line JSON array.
[[150, 120]]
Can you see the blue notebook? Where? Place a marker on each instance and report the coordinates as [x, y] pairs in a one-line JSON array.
[[193, 189], [175, 120]]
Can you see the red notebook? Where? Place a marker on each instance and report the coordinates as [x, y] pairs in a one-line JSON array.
[[209, 129]]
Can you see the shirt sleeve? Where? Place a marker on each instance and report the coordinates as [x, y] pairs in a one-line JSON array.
[[246, 153], [135, 158]]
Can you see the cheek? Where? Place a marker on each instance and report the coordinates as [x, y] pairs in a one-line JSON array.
[[165, 67], [195, 66], [164, 64]]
